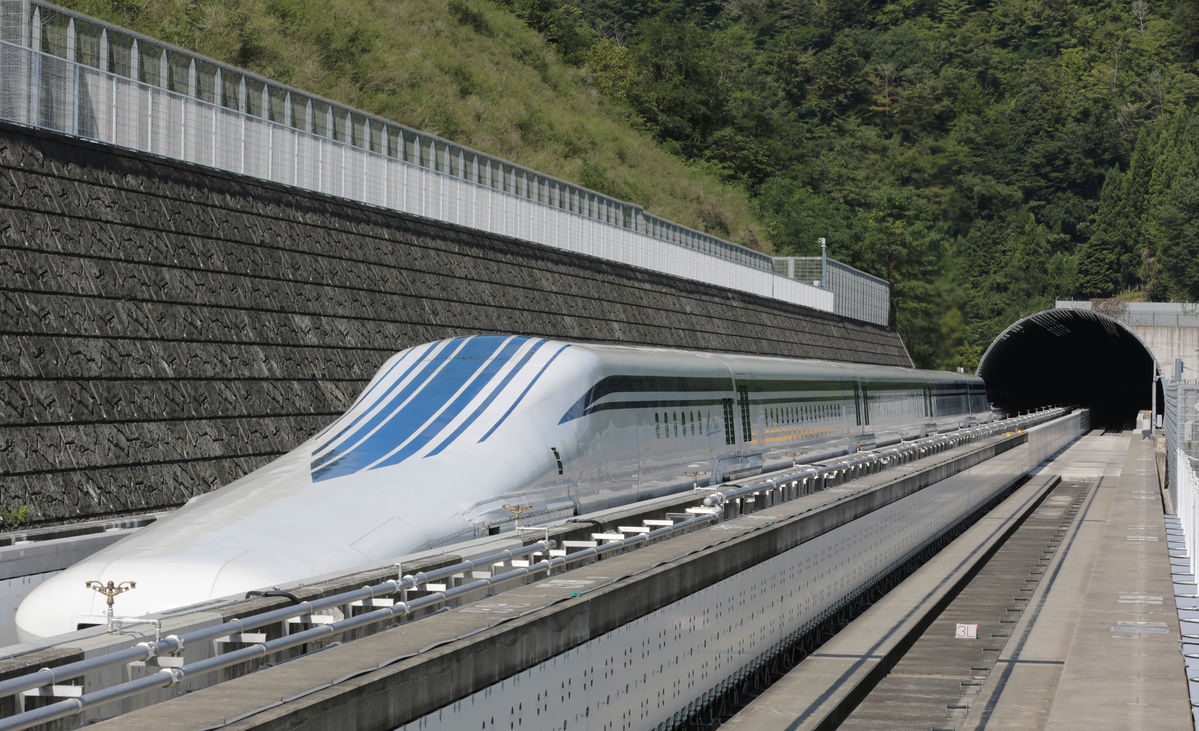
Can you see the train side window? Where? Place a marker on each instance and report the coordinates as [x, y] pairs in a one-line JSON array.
[[747, 433], [657, 426], [675, 414]]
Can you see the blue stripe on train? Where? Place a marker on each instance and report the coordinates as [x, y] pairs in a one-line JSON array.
[[524, 392], [361, 431], [487, 402], [446, 415], [365, 394], [473, 365]]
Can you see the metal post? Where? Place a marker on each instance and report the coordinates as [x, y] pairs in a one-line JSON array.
[[823, 262], [388, 157], [270, 128], [26, 39], [345, 143], [1152, 397]]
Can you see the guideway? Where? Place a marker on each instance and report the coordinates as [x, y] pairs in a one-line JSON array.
[[640, 638], [1053, 611]]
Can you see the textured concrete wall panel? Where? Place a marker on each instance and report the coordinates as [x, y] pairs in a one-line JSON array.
[[168, 328]]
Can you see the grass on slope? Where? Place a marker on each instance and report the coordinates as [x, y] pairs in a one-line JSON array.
[[462, 69]]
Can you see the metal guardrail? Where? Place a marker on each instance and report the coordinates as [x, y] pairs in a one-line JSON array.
[[67, 72], [1140, 314], [1181, 426], [901, 453], [1180, 422], [173, 645]]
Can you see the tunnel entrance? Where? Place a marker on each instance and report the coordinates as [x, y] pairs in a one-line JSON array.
[[1071, 357]]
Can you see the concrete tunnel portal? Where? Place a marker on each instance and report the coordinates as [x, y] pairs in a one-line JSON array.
[[1072, 357]]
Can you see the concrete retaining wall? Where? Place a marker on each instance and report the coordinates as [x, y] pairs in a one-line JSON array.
[[168, 328]]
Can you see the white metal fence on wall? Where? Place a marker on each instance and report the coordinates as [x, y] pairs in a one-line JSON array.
[[859, 295], [66, 72], [1181, 424]]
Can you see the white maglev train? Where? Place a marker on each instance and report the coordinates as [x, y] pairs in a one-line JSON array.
[[448, 432]]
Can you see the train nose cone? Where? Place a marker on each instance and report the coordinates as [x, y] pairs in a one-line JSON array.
[[64, 602]]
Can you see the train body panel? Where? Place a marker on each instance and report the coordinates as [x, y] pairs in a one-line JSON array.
[[448, 433]]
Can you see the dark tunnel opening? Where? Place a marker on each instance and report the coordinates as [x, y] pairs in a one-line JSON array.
[[1071, 357]]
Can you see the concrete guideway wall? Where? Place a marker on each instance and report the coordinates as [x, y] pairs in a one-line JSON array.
[[169, 328], [663, 628]]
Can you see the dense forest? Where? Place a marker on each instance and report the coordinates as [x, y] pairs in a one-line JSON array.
[[984, 157]]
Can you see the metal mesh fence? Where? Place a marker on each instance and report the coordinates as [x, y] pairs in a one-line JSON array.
[[1181, 423], [82, 77], [859, 295]]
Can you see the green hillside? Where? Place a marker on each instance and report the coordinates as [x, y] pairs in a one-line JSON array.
[[466, 70], [984, 157]]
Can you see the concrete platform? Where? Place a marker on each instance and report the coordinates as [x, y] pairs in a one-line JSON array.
[[1094, 642], [1102, 649]]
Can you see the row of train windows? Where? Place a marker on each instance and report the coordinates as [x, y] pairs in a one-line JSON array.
[[670, 424], [679, 423], [949, 404], [800, 414], [897, 405]]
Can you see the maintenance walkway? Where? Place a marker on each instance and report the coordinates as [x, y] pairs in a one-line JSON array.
[[1055, 611]]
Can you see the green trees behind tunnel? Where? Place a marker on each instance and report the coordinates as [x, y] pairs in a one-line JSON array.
[[1146, 232]]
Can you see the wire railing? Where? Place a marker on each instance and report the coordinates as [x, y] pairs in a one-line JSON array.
[[1181, 426], [377, 600], [859, 295], [73, 74]]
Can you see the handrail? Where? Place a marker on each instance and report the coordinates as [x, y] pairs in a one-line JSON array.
[[718, 499], [174, 644]]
